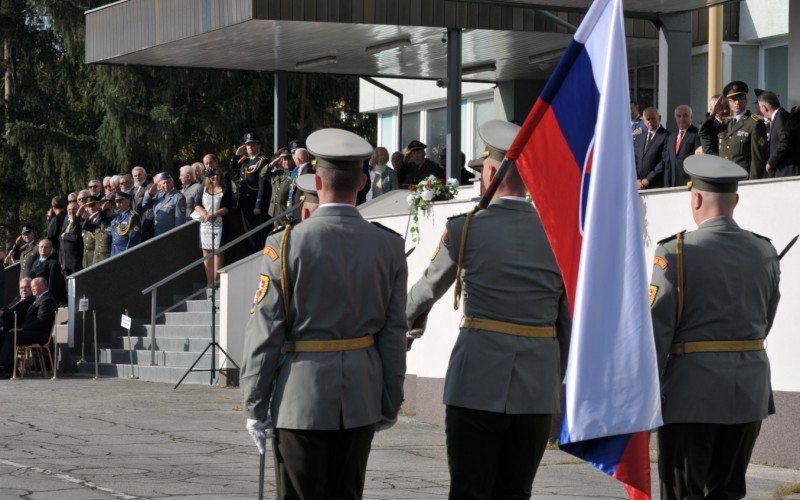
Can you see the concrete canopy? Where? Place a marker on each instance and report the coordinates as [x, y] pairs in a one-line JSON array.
[[335, 36]]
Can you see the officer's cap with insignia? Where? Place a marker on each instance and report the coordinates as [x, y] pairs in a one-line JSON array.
[[498, 136], [308, 186], [164, 176], [714, 174], [296, 144], [284, 153], [414, 145], [251, 137], [90, 200], [734, 89], [121, 195], [25, 229], [338, 149]]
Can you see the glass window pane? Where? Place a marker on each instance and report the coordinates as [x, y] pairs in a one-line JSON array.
[[410, 128], [647, 80], [483, 111], [776, 76], [437, 132], [386, 138]]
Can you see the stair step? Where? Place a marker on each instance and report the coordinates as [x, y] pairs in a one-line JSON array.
[[167, 331], [148, 373], [187, 318], [194, 306], [185, 344], [162, 358]]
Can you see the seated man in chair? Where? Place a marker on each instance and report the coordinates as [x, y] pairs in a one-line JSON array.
[[19, 305], [36, 327]]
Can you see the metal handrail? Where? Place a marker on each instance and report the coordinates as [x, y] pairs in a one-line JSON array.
[[153, 289]]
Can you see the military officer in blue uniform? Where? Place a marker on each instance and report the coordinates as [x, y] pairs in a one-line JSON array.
[[169, 205], [126, 225], [255, 190]]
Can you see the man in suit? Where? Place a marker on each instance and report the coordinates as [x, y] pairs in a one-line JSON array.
[[330, 375], [35, 328], [19, 305], [713, 297], [47, 267], [742, 137], [780, 162], [70, 255], [55, 220], [503, 381], [650, 152], [680, 145], [303, 162]]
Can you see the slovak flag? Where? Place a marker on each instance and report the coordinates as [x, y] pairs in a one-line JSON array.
[[575, 155]]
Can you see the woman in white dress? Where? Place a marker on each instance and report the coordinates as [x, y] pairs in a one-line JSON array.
[[213, 206]]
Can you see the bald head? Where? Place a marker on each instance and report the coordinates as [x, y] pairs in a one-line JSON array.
[[706, 204]]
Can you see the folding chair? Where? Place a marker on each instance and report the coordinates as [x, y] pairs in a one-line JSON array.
[[28, 355]]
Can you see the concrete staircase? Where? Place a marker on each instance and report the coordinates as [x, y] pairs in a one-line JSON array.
[[181, 335]]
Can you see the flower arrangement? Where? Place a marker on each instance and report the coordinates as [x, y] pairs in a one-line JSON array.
[[423, 195]]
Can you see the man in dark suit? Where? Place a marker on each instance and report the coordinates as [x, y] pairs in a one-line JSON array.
[[37, 325], [70, 255], [650, 152], [55, 220], [47, 267], [680, 144], [780, 162], [19, 305]]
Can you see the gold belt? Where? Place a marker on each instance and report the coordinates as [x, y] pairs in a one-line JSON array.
[[717, 346], [509, 328], [327, 345]]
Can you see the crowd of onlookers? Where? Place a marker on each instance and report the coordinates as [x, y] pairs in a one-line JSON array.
[[766, 143]]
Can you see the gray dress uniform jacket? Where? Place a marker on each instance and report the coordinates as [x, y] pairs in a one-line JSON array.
[[731, 281], [169, 210], [347, 279], [509, 274]]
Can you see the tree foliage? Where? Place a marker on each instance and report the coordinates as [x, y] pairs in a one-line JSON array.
[[66, 122]]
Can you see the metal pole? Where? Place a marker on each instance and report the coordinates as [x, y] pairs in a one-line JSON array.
[[714, 51], [214, 285], [453, 140], [55, 357], [153, 327], [130, 348], [96, 350], [83, 337], [261, 461], [14, 365]]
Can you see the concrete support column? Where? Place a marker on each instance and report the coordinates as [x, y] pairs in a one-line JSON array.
[[453, 142], [714, 51], [674, 63], [793, 56], [280, 118]]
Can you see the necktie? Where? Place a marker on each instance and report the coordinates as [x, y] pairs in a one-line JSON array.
[[647, 141], [678, 142]]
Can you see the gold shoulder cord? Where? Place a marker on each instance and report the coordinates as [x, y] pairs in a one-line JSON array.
[[679, 250], [122, 229], [461, 248], [284, 273]]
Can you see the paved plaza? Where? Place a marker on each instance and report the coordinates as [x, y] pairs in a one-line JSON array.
[[77, 438]]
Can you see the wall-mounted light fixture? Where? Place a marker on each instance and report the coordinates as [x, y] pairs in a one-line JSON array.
[[388, 45], [319, 61]]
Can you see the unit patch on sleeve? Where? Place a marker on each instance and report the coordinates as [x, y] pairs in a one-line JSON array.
[[271, 252], [263, 285], [660, 262], [653, 293]]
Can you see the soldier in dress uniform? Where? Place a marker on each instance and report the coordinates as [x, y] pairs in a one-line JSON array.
[[89, 228], [742, 137], [254, 187], [503, 382], [326, 376], [103, 240], [419, 167], [713, 298], [280, 177], [307, 185], [25, 250], [126, 225]]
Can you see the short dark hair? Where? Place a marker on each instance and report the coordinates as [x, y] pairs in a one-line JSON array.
[[340, 181], [57, 202]]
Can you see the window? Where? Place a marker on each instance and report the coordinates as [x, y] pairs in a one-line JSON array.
[[387, 136], [436, 127], [411, 127], [776, 76]]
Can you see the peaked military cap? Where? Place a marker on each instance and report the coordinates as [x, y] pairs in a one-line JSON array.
[[714, 174], [415, 144], [251, 137], [476, 164], [284, 153], [734, 89], [121, 195], [308, 186], [338, 149], [164, 175], [90, 200], [498, 136], [296, 144], [25, 229]]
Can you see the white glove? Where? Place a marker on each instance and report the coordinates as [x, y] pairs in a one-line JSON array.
[[260, 431], [385, 423]]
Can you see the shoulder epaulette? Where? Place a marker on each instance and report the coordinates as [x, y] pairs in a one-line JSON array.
[[755, 117], [378, 224], [670, 238], [276, 231], [762, 237], [457, 216]]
